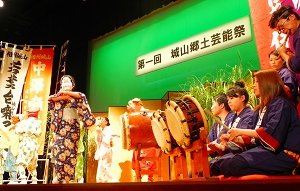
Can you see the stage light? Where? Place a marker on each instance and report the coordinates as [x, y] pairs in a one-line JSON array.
[[1, 3]]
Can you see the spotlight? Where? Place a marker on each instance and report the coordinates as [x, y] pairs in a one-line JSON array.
[[1, 3]]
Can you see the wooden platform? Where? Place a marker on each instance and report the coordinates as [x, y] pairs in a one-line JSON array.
[[286, 184]]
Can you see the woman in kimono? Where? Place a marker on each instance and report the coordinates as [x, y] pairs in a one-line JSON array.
[[238, 98], [277, 128], [29, 130], [13, 149], [68, 108], [104, 151], [288, 77], [2, 153]]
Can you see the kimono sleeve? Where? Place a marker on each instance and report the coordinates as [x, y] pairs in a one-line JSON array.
[[20, 128], [245, 122], [289, 79], [84, 111], [36, 129], [213, 132], [275, 124], [295, 60], [51, 103], [107, 135]]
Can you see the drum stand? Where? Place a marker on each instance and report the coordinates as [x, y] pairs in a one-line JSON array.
[[180, 165], [139, 172], [199, 156]]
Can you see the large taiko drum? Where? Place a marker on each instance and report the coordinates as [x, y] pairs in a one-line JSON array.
[[137, 130], [161, 132], [185, 118]]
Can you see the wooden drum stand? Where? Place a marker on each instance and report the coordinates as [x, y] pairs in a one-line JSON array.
[[138, 158], [199, 156], [180, 164], [185, 118]]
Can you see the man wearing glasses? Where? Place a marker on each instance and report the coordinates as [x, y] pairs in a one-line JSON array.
[[286, 20]]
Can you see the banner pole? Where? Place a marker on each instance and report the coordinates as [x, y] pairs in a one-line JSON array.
[[62, 66]]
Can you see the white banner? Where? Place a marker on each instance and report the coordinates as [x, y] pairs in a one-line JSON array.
[[225, 36], [14, 68]]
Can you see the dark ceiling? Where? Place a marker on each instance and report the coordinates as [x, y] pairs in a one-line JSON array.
[[52, 22]]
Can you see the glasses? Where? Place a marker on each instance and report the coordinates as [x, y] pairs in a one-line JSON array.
[[282, 24]]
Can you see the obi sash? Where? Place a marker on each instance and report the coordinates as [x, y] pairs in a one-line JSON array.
[[70, 113]]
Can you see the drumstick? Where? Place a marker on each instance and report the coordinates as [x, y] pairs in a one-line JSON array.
[[217, 119]]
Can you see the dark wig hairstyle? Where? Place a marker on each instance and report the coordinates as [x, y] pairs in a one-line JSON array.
[[68, 76], [107, 120]]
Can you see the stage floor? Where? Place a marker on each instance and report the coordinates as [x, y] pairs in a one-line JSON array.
[[289, 184]]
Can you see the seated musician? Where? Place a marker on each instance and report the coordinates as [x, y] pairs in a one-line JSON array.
[[276, 130], [221, 109], [237, 100], [288, 77]]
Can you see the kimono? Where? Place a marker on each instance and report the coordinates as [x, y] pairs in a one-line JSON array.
[[289, 79], [4, 142], [66, 117], [238, 121], [30, 130], [295, 60], [279, 130], [13, 149], [9, 165], [242, 120], [213, 134], [104, 155]]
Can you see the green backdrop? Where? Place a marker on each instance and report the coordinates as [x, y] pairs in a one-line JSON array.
[[112, 75]]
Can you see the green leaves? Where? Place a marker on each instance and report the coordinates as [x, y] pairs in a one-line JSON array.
[[205, 88]]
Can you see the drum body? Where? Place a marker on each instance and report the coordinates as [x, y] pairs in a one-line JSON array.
[[137, 130], [185, 118], [161, 132]]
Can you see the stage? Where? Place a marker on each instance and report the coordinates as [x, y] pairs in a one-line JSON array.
[[287, 184]]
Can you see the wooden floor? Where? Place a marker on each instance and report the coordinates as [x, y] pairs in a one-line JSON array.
[[287, 184]]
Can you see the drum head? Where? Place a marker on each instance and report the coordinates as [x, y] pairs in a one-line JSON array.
[[177, 124], [161, 132], [137, 130]]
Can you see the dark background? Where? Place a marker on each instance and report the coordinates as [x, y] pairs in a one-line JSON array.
[[53, 22]]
